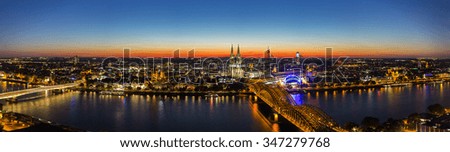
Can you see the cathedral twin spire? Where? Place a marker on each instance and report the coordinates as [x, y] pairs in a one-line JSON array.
[[235, 63], [238, 54]]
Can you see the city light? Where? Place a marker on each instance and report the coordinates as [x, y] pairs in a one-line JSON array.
[[156, 70]]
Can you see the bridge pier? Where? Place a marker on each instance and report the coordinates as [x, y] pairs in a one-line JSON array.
[[59, 91], [275, 117], [256, 99]]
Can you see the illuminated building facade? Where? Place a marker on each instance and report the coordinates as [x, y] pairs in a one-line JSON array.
[[235, 64]]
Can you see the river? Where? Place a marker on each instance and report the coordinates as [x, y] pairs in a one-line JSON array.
[[96, 112]]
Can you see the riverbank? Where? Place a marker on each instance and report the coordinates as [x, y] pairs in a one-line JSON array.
[[436, 119], [17, 122], [162, 92], [368, 86]]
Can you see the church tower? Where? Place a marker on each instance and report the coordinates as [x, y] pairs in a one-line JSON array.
[[231, 55], [238, 56], [235, 63]]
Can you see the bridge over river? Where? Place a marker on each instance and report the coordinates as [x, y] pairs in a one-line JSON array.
[[306, 117], [15, 94]]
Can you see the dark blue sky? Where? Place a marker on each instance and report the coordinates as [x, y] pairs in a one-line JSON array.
[[412, 27]]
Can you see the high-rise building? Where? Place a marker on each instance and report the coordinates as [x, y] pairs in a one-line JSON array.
[[267, 53], [176, 54], [126, 58], [126, 53], [328, 56], [191, 54], [297, 58], [329, 53], [76, 60]]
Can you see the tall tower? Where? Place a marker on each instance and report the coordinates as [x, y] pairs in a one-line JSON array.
[[191, 54], [176, 54], [238, 56], [126, 53], [267, 53], [125, 64], [329, 54], [231, 55], [235, 64], [76, 60], [297, 58], [231, 62]]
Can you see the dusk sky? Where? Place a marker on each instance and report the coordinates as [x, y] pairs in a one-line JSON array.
[[378, 28]]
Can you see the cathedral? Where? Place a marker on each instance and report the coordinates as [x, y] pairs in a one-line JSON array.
[[235, 64]]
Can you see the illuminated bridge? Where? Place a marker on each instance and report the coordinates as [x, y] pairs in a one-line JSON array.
[[13, 80], [306, 117], [14, 94]]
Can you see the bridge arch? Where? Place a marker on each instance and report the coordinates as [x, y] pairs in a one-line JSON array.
[[305, 117]]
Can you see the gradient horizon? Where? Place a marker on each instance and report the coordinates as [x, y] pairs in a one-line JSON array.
[[415, 28]]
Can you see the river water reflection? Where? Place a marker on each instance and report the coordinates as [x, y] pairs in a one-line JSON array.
[[383, 103], [95, 112], [146, 113]]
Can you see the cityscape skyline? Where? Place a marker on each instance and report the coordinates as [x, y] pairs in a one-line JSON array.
[[201, 53], [155, 29]]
